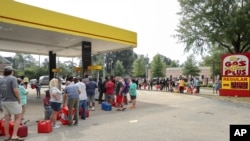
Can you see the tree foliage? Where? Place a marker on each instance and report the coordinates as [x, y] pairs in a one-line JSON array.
[[213, 60], [119, 68], [190, 67], [127, 58], [170, 63], [222, 23], [139, 69], [21, 61], [158, 66]]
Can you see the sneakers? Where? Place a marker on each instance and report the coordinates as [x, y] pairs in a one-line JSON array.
[[93, 109], [56, 126]]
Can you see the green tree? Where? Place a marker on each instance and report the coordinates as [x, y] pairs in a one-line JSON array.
[[65, 70], [119, 68], [213, 60], [169, 62], [222, 23], [45, 63], [139, 67], [174, 63], [21, 61], [190, 67], [158, 66], [127, 58]]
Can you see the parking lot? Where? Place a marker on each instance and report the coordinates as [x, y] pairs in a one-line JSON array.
[[159, 116]]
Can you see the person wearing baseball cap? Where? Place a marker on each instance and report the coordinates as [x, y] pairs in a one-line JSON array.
[[11, 103], [8, 68]]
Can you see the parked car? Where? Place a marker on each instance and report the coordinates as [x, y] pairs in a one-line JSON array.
[[44, 80], [33, 81]]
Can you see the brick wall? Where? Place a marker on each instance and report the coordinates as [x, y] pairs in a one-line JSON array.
[[176, 72]]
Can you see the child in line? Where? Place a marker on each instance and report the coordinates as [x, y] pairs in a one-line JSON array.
[[46, 104], [23, 95]]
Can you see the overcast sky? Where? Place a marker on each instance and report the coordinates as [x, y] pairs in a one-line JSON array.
[[154, 21]]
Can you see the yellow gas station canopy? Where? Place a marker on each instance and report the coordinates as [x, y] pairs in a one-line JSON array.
[[28, 29]]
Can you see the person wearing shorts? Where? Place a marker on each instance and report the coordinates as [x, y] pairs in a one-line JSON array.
[[125, 91], [119, 94], [109, 94], [91, 87], [55, 100], [133, 93], [11, 102]]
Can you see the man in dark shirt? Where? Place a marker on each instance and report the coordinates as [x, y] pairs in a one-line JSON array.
[[119, 95], [90, 89]]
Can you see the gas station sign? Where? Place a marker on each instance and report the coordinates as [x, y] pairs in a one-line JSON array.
[[235, 74]]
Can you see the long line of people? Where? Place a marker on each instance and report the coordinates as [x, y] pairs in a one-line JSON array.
[[178, 85], [77, 94]]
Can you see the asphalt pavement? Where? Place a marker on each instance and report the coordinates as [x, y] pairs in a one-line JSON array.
[[161, 116]]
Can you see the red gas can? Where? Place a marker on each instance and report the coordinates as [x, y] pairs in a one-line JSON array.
[[22, 130], [2, 133], [64, 115], [59, 115], [87, 112], [44, 126]]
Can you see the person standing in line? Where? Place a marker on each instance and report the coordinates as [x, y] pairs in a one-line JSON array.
[[38, 89], [125, 91], [46, 105], [119, 95], [181, 85], [100, 89], [133, 93], [82, 97], [151, 84], [196, 86], [23, 95], [110, 88], [25, 82], [11, 102], [72, 97], [217, 86], [167, 84], [104, 88], [90, 89], [55, 100]]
